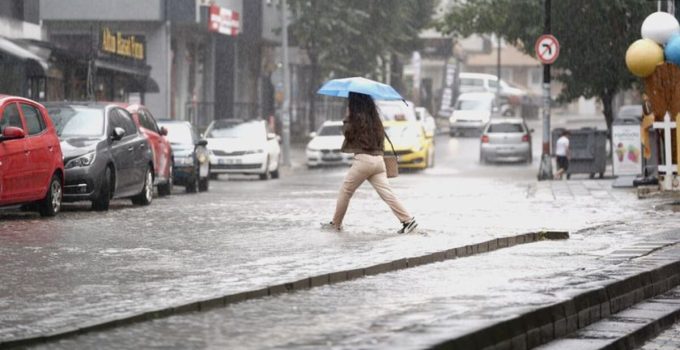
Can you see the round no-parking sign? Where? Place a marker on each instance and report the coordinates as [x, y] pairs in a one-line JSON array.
[[547, 48]]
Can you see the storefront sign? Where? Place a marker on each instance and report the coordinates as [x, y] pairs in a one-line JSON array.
[[223, 21], [627, 153], [122, 45]]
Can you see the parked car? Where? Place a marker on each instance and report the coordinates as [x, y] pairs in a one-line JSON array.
[[190, 155], [160, 147], [471, 112], [506, 139], [105, 155], [31, 166], [630, 112], [396, 110], [324, 147], [243, 147], [413, 147]]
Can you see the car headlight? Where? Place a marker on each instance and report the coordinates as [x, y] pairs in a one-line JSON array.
[[82, 161], [311, 149], [452, 119], [417, 146]]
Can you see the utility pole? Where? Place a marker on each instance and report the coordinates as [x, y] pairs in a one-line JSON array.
[[498, 70], [545, 171], [285, 113]]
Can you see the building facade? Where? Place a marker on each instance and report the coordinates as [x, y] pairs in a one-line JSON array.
[[178, 57]]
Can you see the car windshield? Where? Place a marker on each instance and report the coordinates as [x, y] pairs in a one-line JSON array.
[[74, 121], [473, 105], [331, 130], [179, 134], [396, 111], [506, 128], [401, 132], [237, 130]]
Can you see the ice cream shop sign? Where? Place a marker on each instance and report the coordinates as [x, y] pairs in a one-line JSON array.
[[119, 44]]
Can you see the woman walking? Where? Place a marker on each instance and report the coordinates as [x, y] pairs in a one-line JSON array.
[[365, 137]]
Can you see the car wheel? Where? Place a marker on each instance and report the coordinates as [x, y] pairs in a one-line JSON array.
[[204, 184], [51, 204], [194, 184], [430, 161], [146, 196], [266, 175], [166, 188], [275, 174], [101, 203]]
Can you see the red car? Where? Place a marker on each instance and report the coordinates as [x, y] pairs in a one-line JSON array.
[[160, 147], [31, 163]]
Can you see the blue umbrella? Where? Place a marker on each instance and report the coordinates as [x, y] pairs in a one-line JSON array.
[[342, 88]]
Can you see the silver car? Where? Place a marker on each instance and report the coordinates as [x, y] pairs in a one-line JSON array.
[[505, 139]]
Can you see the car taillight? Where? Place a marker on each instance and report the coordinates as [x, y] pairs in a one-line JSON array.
[[525, 138], [485, 138]]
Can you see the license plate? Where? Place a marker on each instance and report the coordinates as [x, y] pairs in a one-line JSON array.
[[229, 161]]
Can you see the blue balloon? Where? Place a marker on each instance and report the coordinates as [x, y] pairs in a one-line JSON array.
[[672, 49]]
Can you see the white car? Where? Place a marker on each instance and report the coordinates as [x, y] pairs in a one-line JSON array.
[[424, 116], [243, 147], [324, 147], [471, 112]]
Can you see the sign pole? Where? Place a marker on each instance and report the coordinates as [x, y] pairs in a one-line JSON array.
[[285, 113], [545, 170]]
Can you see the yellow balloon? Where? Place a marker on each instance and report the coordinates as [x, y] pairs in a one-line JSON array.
[[643, 56]]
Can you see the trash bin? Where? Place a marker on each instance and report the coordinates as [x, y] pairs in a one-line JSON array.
[[588, 151]]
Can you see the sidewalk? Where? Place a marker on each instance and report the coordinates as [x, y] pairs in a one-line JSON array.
[[88, 281]]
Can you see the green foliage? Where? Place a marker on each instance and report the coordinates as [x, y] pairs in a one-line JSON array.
[[594, 36], [348, 37]]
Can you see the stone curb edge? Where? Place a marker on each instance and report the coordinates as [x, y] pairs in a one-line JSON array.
[[303, 284], [555, 321]]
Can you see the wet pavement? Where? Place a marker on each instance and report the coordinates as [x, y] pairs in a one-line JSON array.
[[409, 309], [85, 267], [667, 340]]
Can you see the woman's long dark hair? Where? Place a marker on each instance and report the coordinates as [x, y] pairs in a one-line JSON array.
[[366, 129]]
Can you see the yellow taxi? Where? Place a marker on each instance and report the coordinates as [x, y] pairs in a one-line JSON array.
[[413, 146]]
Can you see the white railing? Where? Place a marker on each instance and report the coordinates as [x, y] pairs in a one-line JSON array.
[[669, 179]]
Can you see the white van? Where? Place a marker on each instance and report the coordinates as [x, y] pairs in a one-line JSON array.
[[479, 82], [471, 112]]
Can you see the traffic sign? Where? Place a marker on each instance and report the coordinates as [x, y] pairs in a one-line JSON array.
[[547, 48]]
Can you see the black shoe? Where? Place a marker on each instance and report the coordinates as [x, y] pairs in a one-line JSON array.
[[409, 226]]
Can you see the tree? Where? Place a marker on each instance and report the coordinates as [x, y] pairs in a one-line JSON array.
[[594, 36], [355, 37]]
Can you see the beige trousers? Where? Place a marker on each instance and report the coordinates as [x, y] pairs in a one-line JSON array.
[[371, 168]]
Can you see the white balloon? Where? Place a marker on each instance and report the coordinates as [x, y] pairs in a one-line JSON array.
[[660, 26]]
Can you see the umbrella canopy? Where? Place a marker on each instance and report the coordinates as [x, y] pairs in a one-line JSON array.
[[342, 88]]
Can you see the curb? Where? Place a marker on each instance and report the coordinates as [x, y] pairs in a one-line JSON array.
[[303, 284], [555, 321]]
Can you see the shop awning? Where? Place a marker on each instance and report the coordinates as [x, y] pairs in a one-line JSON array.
[[36, 65], [139, 75]]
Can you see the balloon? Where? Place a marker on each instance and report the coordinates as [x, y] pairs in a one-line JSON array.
[[672, 49], [642, 57], [660, 26]]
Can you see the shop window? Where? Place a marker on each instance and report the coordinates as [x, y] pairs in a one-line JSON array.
[[34, 121]]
